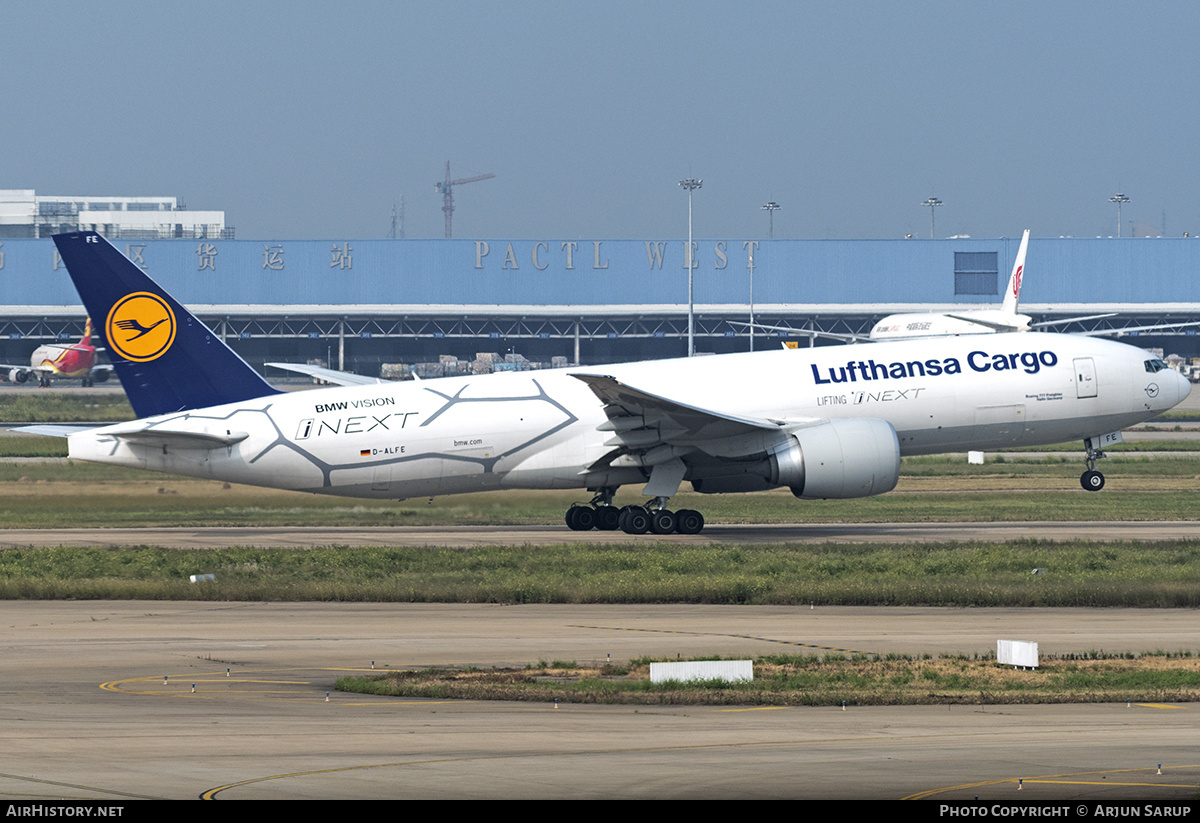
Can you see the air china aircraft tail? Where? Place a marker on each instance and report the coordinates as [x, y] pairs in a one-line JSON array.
[[166, 358], [1013, 294]]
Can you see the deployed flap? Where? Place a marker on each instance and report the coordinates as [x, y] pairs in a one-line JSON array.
[[339, 378]]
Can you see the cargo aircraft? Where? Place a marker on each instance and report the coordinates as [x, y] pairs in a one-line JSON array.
[[829, 422], [76, 360]]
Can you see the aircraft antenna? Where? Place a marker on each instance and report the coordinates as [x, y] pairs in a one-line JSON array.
[[446, 189]]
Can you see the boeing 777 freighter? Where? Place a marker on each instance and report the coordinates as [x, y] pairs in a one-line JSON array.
[[828, 422]]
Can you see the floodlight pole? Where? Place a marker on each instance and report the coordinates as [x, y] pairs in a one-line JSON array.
[[691, 184], [770, 208], [750, 265], [933, 203], [1119, 199]]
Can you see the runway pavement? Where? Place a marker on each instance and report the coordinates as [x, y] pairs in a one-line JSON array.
[[468, 536], [96, 702]]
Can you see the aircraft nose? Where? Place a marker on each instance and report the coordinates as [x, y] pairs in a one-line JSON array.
[[1183, 387], [1172, 387]]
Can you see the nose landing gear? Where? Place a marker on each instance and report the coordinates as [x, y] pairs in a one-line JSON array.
[[1092, 480]]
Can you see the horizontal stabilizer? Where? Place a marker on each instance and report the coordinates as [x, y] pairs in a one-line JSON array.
[[56, 429], [143, 434]]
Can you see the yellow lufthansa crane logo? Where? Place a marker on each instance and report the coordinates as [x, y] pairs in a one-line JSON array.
[[140, 326]]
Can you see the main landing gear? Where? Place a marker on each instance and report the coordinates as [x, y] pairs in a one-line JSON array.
[[654, 517], [1092, 480]]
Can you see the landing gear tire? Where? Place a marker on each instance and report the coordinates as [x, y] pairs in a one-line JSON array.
[[1092, 480], [663, 522], [689, 521], [581, 518], [607, 518], [634, 520]]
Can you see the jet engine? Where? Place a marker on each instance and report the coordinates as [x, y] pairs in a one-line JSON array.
[[839, 459], [831, 460], [18, 375]]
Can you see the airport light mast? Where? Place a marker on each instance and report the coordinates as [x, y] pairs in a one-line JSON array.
[[691, 184], [770, 208], [750, 266], [1119, 199], [933, 203], [445, 187]]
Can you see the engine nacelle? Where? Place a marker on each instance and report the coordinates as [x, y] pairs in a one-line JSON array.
[[839, 459], [100, 376], [18, 375], [836, 459]]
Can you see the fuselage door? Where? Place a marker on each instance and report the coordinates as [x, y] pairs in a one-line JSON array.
[[1085, 377]]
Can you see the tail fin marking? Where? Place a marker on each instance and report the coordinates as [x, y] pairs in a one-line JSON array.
[[166, 358]]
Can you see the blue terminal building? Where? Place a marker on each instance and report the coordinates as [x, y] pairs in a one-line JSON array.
[[358, 304]]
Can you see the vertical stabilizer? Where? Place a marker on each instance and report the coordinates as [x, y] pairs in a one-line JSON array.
[[166, 358], [1013, 295]]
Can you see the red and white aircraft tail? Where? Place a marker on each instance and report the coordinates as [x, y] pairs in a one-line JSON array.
[[76, 360], [1013, 294]]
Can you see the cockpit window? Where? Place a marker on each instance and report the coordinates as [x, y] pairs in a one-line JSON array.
[[1155, 365]]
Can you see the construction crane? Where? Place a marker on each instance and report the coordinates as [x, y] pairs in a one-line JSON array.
[[448, 197]]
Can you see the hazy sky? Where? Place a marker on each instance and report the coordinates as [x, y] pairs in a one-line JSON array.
[[310, 119]]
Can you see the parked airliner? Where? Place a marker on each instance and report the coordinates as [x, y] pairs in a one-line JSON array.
[[77, 360], [829, 422], [1006, 318]]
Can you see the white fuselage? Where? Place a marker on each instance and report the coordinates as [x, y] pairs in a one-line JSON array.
[[941, 324], [539, 429]]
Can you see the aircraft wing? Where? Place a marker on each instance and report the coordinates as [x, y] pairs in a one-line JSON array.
[[1047, 323], [339, 378], [1128, 329], [1000, 327], [679, 422], [832, 335], [664, 436]]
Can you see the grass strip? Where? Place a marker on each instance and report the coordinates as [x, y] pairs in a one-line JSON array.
[[62, 494], [819, 680], [42, 407], [1161, 574]]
